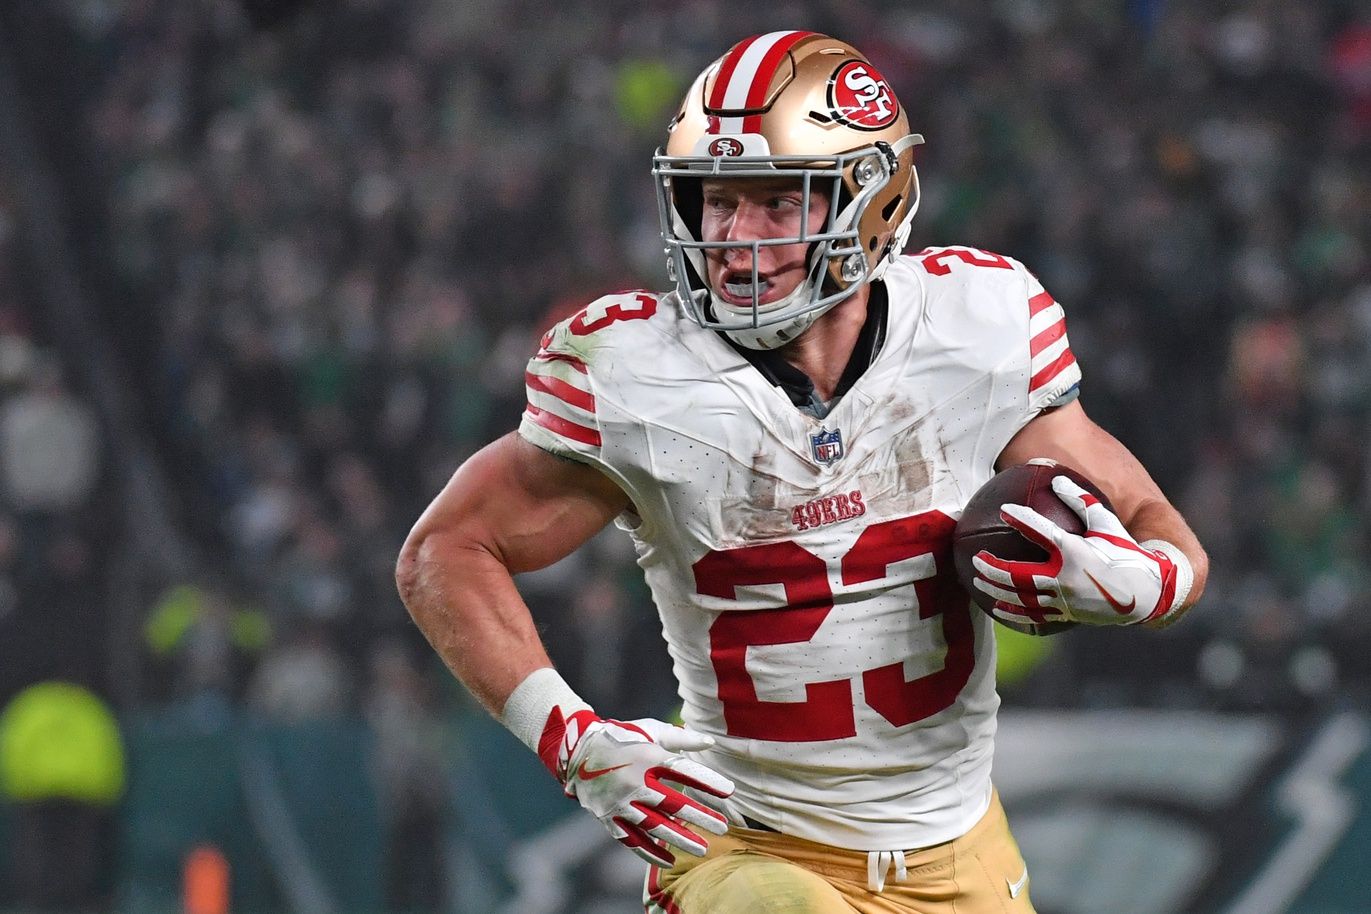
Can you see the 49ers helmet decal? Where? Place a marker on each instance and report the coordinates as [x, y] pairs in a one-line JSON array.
[[859, 97], [781, 104]]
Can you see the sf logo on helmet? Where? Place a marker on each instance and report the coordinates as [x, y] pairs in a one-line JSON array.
[[725, 146], [860, 97]]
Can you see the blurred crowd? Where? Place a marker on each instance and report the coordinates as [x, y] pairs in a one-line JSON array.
[[344, 226], [57, 518], [55, 511]]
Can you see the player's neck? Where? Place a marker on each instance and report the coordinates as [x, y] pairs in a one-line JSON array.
[[823, 351]]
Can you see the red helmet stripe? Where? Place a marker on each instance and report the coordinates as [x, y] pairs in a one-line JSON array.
[[756, 93], [716, 99], [747, 72], [767, 68]]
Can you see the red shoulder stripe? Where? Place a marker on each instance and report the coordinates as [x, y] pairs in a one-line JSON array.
[[546, 356], [1058, 365], [1047, 337], [564, 427], [1040, 302], [561, 390]]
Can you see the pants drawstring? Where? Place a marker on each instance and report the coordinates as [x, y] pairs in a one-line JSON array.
[[878, 863]]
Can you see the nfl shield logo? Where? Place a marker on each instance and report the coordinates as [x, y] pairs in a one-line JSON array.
[[826, 446]]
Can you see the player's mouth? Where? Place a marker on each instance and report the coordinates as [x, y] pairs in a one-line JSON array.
[[738, 288]]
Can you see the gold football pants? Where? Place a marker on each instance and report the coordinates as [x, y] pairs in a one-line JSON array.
[[749, 871]]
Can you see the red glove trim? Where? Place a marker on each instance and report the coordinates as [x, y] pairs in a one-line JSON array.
[[553, 747]]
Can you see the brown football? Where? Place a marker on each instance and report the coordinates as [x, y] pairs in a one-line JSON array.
[[980, 526]]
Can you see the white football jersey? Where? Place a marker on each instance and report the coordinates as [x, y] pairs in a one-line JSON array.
[[802, 567]]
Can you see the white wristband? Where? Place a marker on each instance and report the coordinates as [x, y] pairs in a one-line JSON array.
[[528, 706], [1185, 574]]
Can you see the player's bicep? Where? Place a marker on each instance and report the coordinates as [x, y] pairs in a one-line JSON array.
[[1069, 436], [522, 505]]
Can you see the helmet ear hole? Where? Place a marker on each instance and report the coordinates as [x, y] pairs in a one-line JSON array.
[[871, 243]]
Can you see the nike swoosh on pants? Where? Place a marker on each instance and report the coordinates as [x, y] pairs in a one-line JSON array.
[[1016, 887]]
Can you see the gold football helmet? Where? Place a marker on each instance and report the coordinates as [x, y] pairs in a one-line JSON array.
[[790, 103]]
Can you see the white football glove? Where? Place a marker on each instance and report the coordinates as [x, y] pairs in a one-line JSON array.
[[619, 770], [1101, 577]]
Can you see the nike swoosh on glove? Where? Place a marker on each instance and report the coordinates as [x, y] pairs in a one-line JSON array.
[[1101, 577], [630, 775]]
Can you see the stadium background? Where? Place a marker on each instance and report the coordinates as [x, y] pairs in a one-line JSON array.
[[269, 271]]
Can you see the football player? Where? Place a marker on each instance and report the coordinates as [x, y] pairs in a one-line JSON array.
[[788, 437]]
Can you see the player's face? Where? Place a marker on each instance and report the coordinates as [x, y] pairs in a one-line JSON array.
[[754, 209]]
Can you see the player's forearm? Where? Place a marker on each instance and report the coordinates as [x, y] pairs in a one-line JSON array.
[[464, 600], [1155, 519]]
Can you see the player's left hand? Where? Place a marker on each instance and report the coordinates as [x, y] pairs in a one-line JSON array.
[[1100, 577]]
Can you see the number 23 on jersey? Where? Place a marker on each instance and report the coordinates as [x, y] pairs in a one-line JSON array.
[[828, 710]]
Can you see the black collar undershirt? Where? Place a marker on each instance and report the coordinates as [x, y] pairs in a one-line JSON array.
[[798, 386]]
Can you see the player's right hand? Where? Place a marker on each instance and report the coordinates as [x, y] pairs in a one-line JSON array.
[[628, 774]]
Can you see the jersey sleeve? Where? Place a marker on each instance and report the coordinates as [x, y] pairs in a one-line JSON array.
[[561, 415], [583, 389], [1054, 376]]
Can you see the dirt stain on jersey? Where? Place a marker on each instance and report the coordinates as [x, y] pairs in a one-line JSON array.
[[763, 515], [915, 475], [899, 411], [896, 481]]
